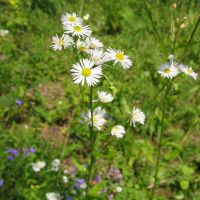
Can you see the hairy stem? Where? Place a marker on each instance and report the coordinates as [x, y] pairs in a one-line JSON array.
[[92, 143], [160, 140]]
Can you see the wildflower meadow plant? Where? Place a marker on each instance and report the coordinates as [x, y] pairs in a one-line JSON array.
[[92, 58]]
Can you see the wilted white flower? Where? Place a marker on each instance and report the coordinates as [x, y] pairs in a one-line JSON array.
[[3, 32], [168, 70], [70, 19], [137, 116], [118, 57], [104, 97], [38, 166], [55, 165], [53, 196], [65, 179], [98, 56], [78, 30], [61, 43], [118, 131], [118, 189], [86, 17], [93, 43], [81, 46], [189, 71], [86, 72], [98, 118]]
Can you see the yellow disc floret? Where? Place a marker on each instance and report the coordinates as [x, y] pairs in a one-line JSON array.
[[86, 72], [72, 19], [61, 42], [77, 28], [167, 71], [120, 56]]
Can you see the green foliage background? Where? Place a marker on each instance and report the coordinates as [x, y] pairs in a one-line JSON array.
[[32, 72]]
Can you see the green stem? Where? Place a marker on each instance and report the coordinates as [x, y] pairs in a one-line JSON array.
[[92, 143], [160, 140]]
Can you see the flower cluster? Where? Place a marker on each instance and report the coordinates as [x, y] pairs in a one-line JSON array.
[[90, 68], [172, 69]]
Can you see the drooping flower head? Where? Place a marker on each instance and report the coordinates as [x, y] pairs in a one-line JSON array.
[[105, 97], [118, 56], [137, 116], [61, 43], [70, 19], [78, 30], [98, 118], [118, 131], [188, 71], [85, 71], [93, 43], [98, 56]]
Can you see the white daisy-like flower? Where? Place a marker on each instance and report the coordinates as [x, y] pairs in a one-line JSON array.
[[98, 118], [38, 166], [105, 97], [70, 19], [98, 56], [118, 131], [189, 71], [86, 72], [118, 189], [81, 46], [65, 179], [168, 70], [137, 116], [3, 32], [55, 165], [118, 56], [93, 43], [53, 196], [62, 42], [78, 30]]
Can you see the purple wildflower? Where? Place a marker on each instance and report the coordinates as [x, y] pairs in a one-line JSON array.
[[80, 184], [29, 151], [19, 102], [115, 174], [69, 198], [1, 182], [10, 158]]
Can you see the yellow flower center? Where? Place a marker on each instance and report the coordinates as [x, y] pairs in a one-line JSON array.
[[82, 48], [120, 56], [92, 45], [72, 19], [95, 120], [167, 71], [86, 72], [61, 42], [189, 71], [77, 28]]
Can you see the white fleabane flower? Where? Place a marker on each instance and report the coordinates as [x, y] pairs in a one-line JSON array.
[[65, 179], [70, 19], [53, 196], [168, 70], [81, 46], [3, 32], [78, 30], [104, 97], [86, 72], [189, 71], [55, 165], [93, 43], [118, 131], [98, 118], [61, 43], [118, 56], [38, 166], [118, 189], [98, 56], [137, 116]]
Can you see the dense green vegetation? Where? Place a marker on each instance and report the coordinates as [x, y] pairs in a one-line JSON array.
[[41, 108]]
